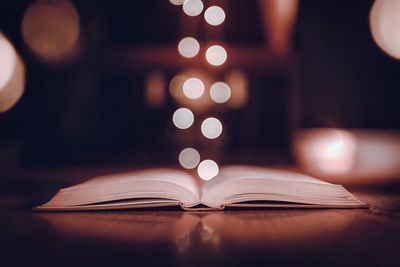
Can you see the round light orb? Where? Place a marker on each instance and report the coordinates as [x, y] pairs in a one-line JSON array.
[[51, 29], [12, 75], [216, 55], [188, 47], [385, 23], [211, 128], [207, 169], [183, 118], [220, 92], [193, 8], [189, 158], [177, 2], [193, 88], [214, 15]]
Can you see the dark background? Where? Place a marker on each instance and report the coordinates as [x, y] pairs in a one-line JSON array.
[[86, 112]]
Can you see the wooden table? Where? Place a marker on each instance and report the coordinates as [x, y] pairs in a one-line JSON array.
[[174, 238]]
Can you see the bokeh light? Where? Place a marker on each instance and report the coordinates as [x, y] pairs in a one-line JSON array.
[[211, 128], [207, 169], [385, 23], [193, 8], [220, 92], [334, 151], [239, 85], [214, 15], [198, 105], [326, 151], [155, 89], [12, 75], [183, 118], [188, 47], [189, 158], [51, 29], [177, 2], [193, 88], [216, 55]]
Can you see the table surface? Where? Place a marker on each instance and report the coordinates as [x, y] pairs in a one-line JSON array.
[[169, 237]]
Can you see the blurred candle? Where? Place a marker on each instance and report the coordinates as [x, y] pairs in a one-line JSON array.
[[239, 84], [155, 89]]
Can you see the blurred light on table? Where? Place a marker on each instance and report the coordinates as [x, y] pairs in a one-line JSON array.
[[385, 24], [193, 8], [349, 155], [183, 118], [189, 158], [193, 88], [211, 128], [214, 15], [220, 92], [12, 75], [188, 47], [216, 55], [51, 29], [207, 169], [155, 89]]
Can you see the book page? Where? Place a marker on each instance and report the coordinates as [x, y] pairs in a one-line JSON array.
[[236, 184], [154, 184]]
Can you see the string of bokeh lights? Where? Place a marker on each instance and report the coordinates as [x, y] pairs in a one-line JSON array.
[[194, 88]]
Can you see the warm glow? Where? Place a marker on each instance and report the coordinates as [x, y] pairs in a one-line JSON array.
[[239, 85], [51, 29], [12, 75], [385, 23], [334, 151], [193, 88], [208, 169], [214, 15], [177, 2], [220, 92], [198, 105], [155, 89], [356, 155], [193, 7], [216, 55], [211, 128], [188, 47], [328, 151], [189, 158], [183, 118], [279, 19]]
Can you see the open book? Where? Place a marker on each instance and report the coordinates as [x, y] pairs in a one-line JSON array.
[[235, 186]]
